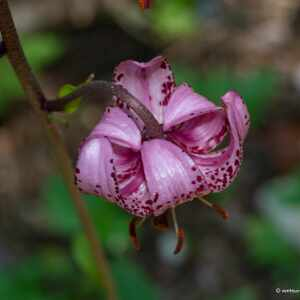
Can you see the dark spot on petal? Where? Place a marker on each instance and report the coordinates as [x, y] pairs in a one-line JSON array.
[[163, 65], [120, 76]]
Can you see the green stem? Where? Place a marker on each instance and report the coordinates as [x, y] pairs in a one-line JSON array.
[[37, 99]]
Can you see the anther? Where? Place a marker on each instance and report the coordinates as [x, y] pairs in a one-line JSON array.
[[220, 210], [132, 231], [161, 222], [179, 232]]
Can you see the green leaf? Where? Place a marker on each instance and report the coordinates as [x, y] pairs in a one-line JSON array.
[[112, 226], [81, 253], [286, 190], [111, 222], [58, 207], [26, 279], [132, 282], [174, 18], [72, 106], [244, 293], [266, 246], [127, 275]]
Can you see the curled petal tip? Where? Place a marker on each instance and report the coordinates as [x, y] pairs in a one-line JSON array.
[[180, 240]]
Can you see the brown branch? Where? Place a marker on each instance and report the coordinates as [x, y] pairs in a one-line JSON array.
[[99, 89], [37, 99]]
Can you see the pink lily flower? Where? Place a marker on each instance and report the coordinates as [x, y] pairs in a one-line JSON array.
[[146, 177]]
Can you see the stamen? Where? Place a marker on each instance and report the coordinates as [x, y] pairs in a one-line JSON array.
[[161, 222], [179, 232], [132, 231], [220, 210]]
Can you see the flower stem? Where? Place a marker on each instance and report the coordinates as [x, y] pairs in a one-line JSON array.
[[37, 99], [99, 89]]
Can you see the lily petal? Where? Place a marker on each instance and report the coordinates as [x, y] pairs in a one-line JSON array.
[[129, 171], [171, 175], [201, 134], [185, 104], [119, 129], [220, 168], [240, 117], [133, 192], [152, 83], [115, 173], [94, 168]]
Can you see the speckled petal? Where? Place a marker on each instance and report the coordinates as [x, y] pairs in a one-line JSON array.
[[94, 168], [171, 175], [185, 104], [201, 134], [118, 128], [239, 115], [220, 168], [152, 83], [134, 195]]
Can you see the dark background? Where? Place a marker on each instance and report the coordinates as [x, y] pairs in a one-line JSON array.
[[251, 46]]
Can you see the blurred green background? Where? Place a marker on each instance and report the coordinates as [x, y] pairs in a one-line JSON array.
[[249, 46]]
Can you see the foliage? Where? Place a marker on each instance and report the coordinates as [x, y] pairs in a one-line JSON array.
[[51, 274], [173, 18], [133, 284], [244, 293], [58, 207], [40, 277], [73, 105], [267, 247]]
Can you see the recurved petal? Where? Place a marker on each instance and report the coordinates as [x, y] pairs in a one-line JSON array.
[[239, 114], [185, 104], [94, 168], [133, 195], [221, 167], [201, 134], [152, 83], [118, 128], [171, 175], [115, 173]]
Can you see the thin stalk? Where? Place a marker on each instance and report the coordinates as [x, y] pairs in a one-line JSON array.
[[220, 210], [179, 232], [98, 89], [37, 99]]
